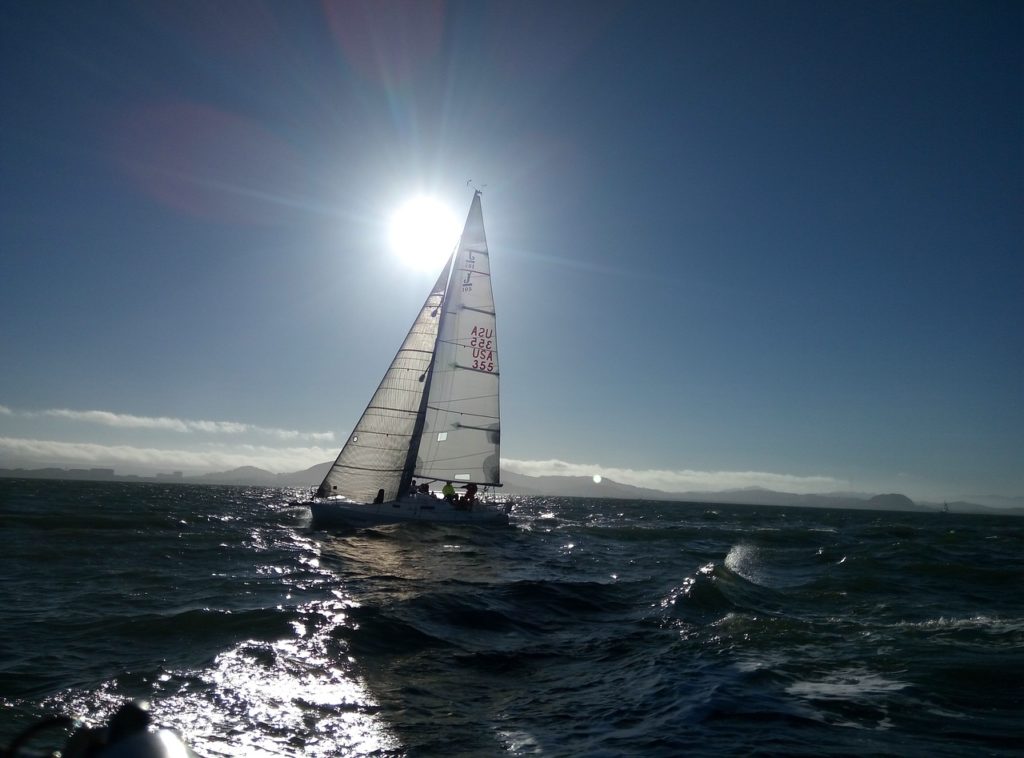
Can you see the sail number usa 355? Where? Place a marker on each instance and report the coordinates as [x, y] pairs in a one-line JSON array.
[[481, 339]]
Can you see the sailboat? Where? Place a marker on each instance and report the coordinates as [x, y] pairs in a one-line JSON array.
[[434, 421]]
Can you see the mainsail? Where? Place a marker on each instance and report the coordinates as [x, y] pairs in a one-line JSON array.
[[461, 430], [435, 413], [377, 452]]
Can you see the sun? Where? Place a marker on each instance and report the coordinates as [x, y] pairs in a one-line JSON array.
[[423, 233]]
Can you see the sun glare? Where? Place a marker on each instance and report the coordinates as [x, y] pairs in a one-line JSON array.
[[423, 233]]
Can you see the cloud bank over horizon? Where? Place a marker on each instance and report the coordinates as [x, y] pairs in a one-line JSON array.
[[126, 458], [220, 445], [165, 423], [214, 457], [683, 480], [147, 445]]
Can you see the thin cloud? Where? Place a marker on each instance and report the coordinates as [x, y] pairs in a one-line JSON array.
[[119, 420], [210, 458], [5, 411], [683, 480], [184, 426]]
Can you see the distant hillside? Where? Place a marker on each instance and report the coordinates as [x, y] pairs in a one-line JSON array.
[[893, 502], [309, 477], [576, 486], [551, 486], [244, 476], [241, 475]]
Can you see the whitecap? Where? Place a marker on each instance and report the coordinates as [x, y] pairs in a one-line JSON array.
[[845, 685], [744, 560]]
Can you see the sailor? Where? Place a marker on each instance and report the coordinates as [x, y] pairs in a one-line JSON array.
[[413, 489], [448, 491], [470, 493]]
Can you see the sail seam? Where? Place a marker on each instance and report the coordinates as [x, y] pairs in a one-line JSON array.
[[470, 397], [364, 468], [476, 370], [439, 409]]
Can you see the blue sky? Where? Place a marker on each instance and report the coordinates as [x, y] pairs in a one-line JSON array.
[[734, 244]]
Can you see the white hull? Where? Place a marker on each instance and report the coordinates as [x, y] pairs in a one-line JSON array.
[[328, 513]]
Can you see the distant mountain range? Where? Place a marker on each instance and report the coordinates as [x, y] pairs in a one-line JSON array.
[[553, 486], [582, 486]]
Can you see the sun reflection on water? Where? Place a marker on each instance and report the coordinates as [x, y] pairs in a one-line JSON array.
[[294, 696], [299, 694]]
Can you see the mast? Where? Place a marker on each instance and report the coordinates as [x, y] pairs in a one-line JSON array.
[[414, 447]]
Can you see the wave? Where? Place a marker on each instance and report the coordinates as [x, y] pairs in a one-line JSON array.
[[589, 628]]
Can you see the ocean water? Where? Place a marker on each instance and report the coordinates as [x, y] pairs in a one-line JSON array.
[[588, 628]]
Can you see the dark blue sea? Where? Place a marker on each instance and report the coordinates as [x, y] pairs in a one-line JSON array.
[[588, 628]]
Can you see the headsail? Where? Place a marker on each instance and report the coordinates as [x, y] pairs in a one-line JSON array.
[[377, 451], [462, 431]]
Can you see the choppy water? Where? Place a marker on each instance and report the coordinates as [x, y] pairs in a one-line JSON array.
[[589, 628]]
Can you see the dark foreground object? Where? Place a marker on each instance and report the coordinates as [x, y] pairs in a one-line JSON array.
[[127, 735]]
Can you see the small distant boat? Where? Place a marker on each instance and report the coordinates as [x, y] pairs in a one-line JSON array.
[[434, 419]]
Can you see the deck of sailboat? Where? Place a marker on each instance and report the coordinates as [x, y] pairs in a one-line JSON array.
[[337, 512]]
